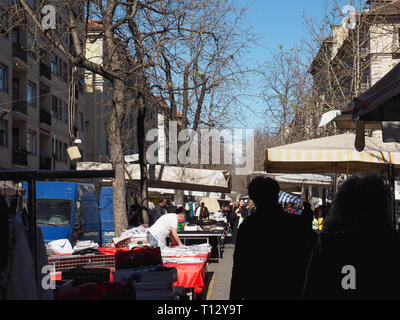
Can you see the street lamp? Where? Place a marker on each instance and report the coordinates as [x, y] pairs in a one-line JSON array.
[[77, 139]]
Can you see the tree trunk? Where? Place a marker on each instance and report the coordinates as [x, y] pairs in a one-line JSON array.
[[142, 157], [117, 159]]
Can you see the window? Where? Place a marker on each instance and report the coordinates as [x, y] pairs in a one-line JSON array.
[[65, 154], [60, 110], [32, 142], [54, 64], [4, 23], [15, 36], [3, 78], [3, 133], [398, 37], [31, 3], [52, 212], [31, 94], [56, 152], [54, 107], [80, 121], [31, 44], [65, 108], [64, 73], [60, 151]]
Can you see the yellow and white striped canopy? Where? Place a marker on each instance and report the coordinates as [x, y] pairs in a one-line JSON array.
[[332, 154]]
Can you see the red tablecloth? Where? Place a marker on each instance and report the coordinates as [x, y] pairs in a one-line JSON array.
[[190, 276]]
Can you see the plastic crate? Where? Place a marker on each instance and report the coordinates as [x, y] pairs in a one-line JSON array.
[[168, 276], [154, 291], [61, 263]]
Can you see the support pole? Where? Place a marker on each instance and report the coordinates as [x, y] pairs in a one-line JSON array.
[[32, 220], [392, 188]]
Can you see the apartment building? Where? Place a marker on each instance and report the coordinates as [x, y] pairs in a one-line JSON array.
[[34, 97], [350, 61]]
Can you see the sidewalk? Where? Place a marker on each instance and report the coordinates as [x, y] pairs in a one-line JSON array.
[[222, 274]]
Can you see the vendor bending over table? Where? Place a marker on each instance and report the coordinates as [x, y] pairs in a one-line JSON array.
[[167, 226]]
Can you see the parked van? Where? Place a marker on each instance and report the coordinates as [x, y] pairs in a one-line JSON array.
[[67, 210]]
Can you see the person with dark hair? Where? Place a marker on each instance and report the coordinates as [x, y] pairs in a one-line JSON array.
[[238, 215], [269, 257], [135, 218], [159, 210], [227, 211], [307, 213], [357, 256]]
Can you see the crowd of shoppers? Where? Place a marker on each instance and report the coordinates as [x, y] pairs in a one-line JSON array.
[[355, 256]]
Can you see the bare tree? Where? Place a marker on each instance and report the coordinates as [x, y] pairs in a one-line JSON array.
[[128, 51], [348, 50], [203, 75]]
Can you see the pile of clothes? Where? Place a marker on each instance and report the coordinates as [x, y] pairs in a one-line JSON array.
[[64, 247]]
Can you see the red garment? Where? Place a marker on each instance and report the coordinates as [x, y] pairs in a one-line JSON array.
[[137, 257], [100, 291]]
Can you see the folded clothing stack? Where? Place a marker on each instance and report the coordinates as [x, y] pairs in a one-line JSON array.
[[86, 247]]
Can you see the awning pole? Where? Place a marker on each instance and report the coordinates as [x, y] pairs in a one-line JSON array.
[[392, 188], [32, 220]]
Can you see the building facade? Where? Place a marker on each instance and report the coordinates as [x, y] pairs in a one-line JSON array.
[[34, 100], [350, 61]]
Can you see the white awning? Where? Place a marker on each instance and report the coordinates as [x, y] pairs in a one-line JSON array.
[[168, 177]]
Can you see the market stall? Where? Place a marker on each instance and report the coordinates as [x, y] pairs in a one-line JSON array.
[[336, 154], [333, 154], [169, 177], [131, 254], [214, 238], [285, 197]]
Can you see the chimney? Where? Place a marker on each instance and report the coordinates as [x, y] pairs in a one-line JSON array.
[[339, 34]]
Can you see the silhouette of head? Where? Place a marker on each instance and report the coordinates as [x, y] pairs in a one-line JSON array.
[[362, 202], [263, 191]]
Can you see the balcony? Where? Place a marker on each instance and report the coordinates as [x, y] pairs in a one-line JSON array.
[[19, 52], [20, 106], [45, 70], [45, 163], [45, 117], [20, 157]]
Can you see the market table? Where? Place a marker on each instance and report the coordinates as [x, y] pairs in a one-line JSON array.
[[203, 235], [190, 275]]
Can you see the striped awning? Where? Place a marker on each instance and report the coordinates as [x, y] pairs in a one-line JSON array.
[[285, 197], [332, 154]]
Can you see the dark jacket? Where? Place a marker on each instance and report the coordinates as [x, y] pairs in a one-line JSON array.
[[158, 212], [204, 213], [270, 257], [235, 221], [375, 257]]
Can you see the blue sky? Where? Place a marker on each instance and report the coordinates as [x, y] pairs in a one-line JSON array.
[[277, 23]]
